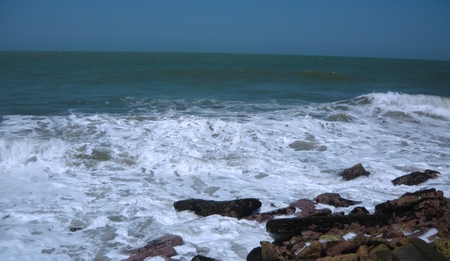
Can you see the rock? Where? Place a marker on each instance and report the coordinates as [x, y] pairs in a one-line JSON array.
[[202, 258], [235, 208], [415, 178], [314, 250], [74, 229], [347, 257], [295, 226], [273, 252], [162, 246], [349, 246], [442, 245], [354, 172], [359, 211], [334, 199], [427, 250], [384, 255], [315, 213], [304, 204], [260, 217], [407, 201], [409, 253], [255, 254]]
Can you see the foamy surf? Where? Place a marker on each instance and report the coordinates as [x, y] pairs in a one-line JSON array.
[[116, 176]]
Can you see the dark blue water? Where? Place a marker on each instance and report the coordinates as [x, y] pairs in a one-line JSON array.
[[58, 83]]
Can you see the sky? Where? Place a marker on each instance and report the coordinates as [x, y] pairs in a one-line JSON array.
[[411, 29]]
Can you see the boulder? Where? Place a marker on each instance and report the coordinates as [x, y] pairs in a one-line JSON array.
[[408, 201], [359, 211], [354, 172], [273, 252], [234, 208], [415, 178], [162, 246], [335, 200]]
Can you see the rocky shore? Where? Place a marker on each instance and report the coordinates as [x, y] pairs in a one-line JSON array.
[[416, 226]]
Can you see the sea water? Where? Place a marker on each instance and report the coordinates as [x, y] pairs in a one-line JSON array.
[[107, 142]]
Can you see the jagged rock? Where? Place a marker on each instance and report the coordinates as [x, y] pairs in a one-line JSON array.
[[407, 201], [234, 208], [349, 246], [162, 246], [273, 252], [334, 199], [415, 178], [261, 217], [202, 258], [359, 211], [354, 172], [314, 250]]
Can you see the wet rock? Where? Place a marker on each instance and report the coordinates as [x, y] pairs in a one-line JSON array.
[[334, 199], [261, 217], [349, 246], [202, 258], [407, 201], [354, 172], [359, 211], [296, 226], [162, 246], [315, 213], [235, 208], [415, 178], [305, 205], [74, 229], [255, 254]]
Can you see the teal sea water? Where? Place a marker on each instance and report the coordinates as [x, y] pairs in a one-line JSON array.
[[106, 142], [55, 83]]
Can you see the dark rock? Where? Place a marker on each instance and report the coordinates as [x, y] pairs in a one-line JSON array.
[[359, 211], [415, 178], [407, 201], [202, 258], [409, 253], [354, 172], [73, 229], [334, 199], [347, 257], [305, 205], [427, 250], [315, 213], [162, 246], [296, 226], [261, 217], [255, 254], [235, 208], [384, 255]]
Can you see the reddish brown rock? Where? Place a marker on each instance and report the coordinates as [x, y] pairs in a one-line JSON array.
[[235, 208], [354, 172], [305, 205], [162, 246], [415, 178], [334, 199], [273, 252], [314, 250], [407, 201]]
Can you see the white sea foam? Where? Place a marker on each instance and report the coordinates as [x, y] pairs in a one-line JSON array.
[[116, 176]]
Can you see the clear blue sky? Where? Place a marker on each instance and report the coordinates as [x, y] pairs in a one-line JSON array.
[[374, 28]]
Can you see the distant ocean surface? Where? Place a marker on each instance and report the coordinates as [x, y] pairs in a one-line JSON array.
[[106, 142]]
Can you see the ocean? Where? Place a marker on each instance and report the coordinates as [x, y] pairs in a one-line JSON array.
[[107, 141]]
